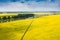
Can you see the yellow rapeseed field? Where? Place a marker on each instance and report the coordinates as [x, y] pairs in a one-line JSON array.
[[42, 28], [13, 30], [8, 14]]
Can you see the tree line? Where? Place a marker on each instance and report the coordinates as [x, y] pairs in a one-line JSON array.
[[12, 18]]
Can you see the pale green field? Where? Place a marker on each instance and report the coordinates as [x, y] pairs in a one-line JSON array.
[[42, 28]]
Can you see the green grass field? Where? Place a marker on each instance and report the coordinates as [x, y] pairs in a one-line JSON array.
[[42, 28]]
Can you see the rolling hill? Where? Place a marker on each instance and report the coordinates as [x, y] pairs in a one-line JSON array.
[[42, 28]]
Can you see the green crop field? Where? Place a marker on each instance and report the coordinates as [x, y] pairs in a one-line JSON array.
[[42, 28]]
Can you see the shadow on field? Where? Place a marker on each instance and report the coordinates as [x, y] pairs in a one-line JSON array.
[[10, 33]]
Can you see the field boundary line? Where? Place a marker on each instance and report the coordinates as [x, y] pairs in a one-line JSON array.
[[27, 30]]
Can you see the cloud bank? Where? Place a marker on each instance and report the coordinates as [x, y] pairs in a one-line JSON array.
[[29, 5]]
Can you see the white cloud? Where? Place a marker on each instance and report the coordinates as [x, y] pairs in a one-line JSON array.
[[31, 6]]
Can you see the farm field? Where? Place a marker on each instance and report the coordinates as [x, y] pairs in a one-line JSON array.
[[13, 30], [42, 28], [8, 14]]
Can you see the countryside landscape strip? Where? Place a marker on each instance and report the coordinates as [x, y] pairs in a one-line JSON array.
[[45, 27]]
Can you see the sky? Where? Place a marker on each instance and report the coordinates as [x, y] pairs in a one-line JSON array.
[[29, 5]]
